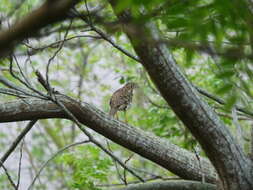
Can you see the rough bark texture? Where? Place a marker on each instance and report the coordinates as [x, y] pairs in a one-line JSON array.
[[175, 159], [234, 168], [48, 13], [170, 185]]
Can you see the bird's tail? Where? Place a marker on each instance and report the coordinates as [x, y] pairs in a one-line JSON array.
[[112, 112]]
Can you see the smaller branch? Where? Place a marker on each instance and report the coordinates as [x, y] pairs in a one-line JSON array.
[[8, 176], [7, 69], [230, 117], [17, 141], [54, 55], [239, 131], [124, 173], [153, 175], [232, 53], [20, 162], [41, 80], [222, 102], [24, 82], [56, 44], [157, 105], [115, 163], [34, 168], [12, 92], [104, 36], [20, 70], [138, 182], [11, 85]]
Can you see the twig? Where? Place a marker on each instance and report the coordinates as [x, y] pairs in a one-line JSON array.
[[115, 163], [24, 82], [54, 55], [136, 182], [55, 44], [104, 36], [222, 102], [124, 172], [8, 176], [20, 162], [31, 160], [20, 70], [41, 80], [230, 117], [11, 85], [157, 105], [11, 92]]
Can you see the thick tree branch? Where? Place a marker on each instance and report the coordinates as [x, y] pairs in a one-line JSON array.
[[170, 185], [216, 140], [177, 160], [48, 13]]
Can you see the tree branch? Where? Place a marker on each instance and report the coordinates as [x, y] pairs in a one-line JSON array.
[[170, 185], [17, 141], [179, 161], [50, 12]]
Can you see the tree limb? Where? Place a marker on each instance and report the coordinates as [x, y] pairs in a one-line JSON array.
[[48, 13], [179, 161], [170, 185]]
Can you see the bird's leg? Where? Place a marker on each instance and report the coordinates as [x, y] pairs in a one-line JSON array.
[[125, 116], [117, 116]]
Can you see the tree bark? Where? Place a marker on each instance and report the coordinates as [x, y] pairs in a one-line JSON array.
[[177, 160], [170, 185], [233, 166]]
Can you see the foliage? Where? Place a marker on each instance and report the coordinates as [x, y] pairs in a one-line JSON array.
[[88, 167]]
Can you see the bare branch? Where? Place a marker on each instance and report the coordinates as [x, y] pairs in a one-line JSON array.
[[104, 36], [222, 102], [17, 141], [8, 176], [20, 163]]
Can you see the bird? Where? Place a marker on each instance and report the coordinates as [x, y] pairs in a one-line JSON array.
[[121, 99]]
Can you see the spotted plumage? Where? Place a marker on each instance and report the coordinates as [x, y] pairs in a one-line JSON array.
[[122, 98]]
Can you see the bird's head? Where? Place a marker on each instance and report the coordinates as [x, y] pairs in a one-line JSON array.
[[131, 85]]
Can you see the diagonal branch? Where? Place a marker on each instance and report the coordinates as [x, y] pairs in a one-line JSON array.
[[17, 141]]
